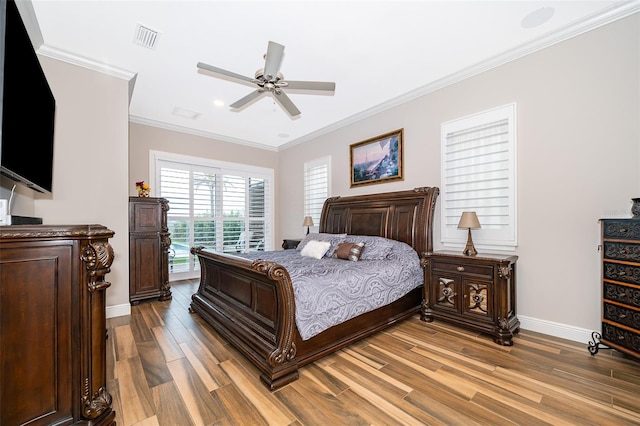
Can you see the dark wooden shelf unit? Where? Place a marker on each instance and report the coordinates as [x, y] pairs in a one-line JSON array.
[[149, 242], [620, 287], [476, 292]]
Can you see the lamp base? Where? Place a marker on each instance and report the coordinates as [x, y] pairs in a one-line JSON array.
[[469, 249]]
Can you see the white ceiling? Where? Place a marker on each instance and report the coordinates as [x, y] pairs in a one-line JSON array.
[[379, 53]]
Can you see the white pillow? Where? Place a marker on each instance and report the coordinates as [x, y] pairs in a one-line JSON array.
[[315, 249]]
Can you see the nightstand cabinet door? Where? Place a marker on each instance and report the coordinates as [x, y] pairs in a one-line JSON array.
[[473, 292]]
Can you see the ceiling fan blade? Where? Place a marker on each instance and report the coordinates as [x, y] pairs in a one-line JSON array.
[[225, 74], [249, 99], [311, 87], [275, 54], [286, 103]]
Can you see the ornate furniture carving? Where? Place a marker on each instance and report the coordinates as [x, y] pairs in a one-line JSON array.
[[476, 292], [620, 287], [53, 325], [149, 242], [252, 303]]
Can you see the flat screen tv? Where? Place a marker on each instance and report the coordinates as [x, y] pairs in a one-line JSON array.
[[28, 106]]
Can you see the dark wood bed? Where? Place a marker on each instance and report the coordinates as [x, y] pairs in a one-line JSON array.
[[251, 303]]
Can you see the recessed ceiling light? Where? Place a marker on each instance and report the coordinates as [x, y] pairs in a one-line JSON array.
[[284, 135], [218, 103], [182, 112], [537, 17]]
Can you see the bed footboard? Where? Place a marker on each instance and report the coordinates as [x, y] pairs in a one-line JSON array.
[[251, 304]]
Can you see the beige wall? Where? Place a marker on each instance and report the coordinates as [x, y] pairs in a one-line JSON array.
[[143, 139], [90, 160], [578, 117]]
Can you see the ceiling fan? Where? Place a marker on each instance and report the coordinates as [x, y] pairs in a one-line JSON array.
[[271, 81]]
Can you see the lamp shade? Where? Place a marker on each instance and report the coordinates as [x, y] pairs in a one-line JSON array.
[[308, 221], [469, 220]]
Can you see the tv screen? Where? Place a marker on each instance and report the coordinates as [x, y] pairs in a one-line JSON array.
[[28, 109]]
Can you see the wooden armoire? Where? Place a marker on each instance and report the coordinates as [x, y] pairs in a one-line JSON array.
[[53, 325], [149, 242]]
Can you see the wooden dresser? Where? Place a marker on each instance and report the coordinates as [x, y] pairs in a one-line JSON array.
[[620, 287], [149, 241], [53, 325], [476, 292]]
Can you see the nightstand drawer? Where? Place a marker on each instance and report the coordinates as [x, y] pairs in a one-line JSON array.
[[466, 268]]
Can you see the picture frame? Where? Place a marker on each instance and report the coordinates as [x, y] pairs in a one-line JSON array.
[[378, 159]]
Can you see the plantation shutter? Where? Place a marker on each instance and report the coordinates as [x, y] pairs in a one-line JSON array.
[[478, 174], [316, 187], [220, 208]]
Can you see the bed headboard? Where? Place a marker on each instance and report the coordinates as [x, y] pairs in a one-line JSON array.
[[405, 216]]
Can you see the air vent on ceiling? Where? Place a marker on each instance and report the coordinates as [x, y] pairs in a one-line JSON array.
[[146, 37]]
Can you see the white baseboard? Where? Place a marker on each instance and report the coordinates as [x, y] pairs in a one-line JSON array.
[[563, 331], [118, 310]]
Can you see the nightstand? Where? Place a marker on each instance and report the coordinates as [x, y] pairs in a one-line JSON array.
[[476, 292], [290, 244]]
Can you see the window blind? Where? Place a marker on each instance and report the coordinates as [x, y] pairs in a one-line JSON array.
[[478, 174], [316, 187]]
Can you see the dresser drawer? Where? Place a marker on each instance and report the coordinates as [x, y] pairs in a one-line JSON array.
[[622, 315], [629, 252], [621, 272], [622, 337], [466, 268], [622, 293], [628, 229]]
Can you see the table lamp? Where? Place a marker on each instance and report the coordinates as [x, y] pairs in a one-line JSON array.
[[308, 221], [470, 221]]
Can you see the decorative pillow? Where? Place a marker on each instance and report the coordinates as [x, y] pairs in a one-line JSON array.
[[334, 239], [315, 249], [376, 248], [349, 251]]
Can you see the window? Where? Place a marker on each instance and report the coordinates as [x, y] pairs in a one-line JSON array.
[[316, 187], [223, 206], [479, 174]]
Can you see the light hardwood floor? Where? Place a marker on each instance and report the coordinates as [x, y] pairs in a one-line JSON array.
[[167, 367]]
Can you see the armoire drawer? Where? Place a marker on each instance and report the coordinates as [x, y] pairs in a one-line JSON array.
[[622, 337], [621, 229], [622, 294], [620, 250], [622, 315], [621, 272]]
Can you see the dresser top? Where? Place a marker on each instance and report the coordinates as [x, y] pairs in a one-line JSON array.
[[22, 232]]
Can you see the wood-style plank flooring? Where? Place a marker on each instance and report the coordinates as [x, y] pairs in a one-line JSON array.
[[165, 366]]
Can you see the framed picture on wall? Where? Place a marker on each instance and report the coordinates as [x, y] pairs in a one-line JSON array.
[[377, 160]]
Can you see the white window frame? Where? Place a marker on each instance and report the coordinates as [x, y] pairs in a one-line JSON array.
[[225, 168], [459, 187], [313, 205]]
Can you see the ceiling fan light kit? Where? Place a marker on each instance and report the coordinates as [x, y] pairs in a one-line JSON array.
[[271, 81]]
